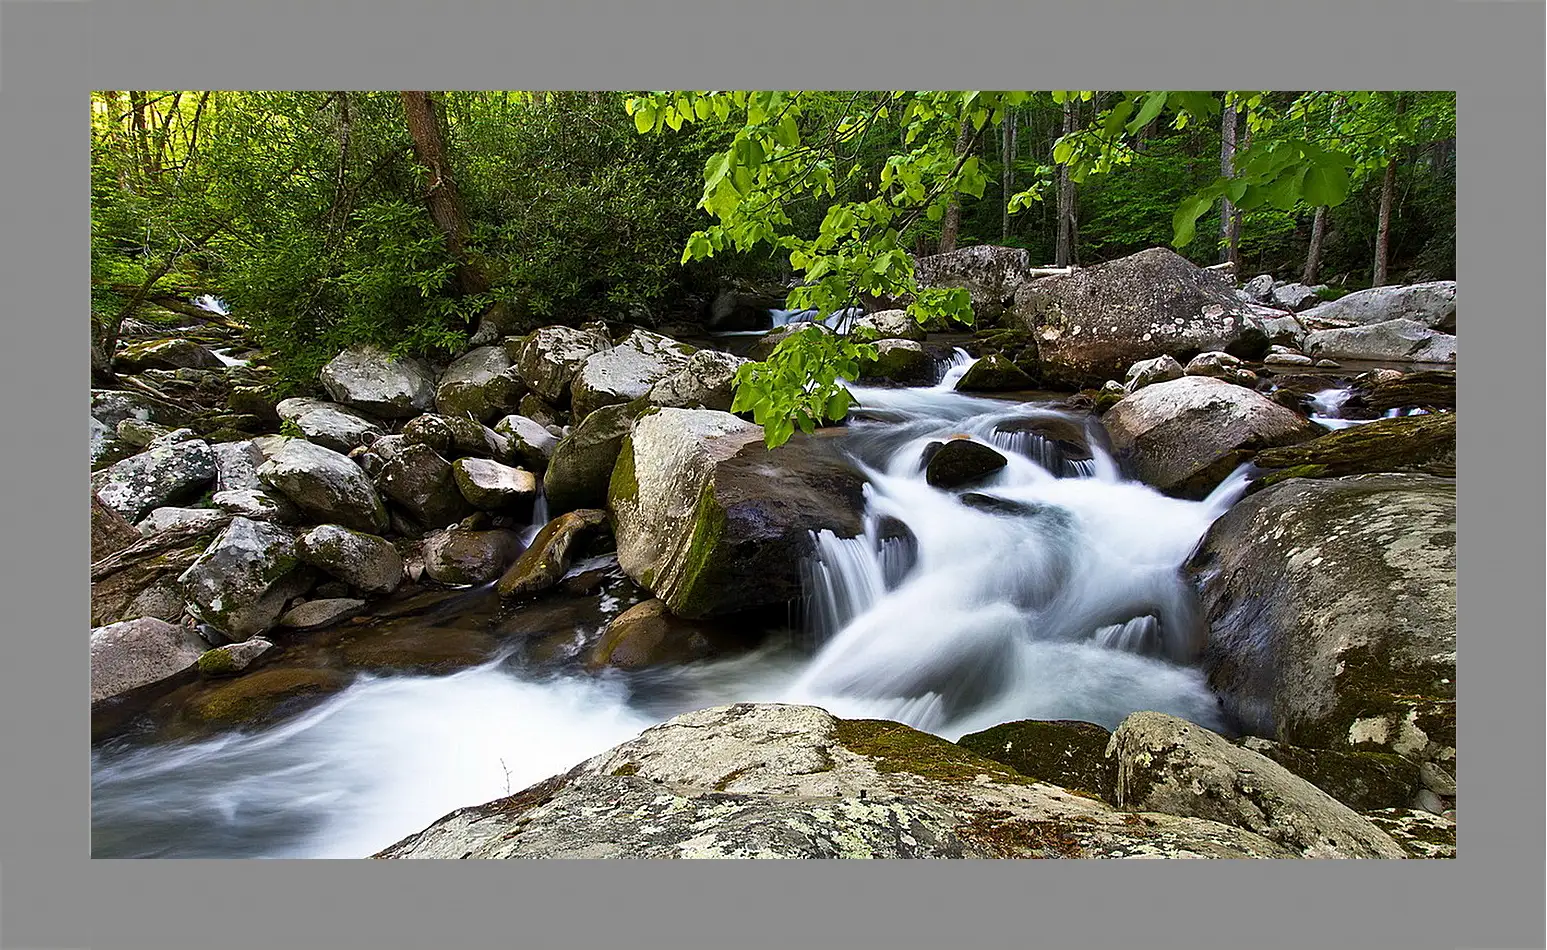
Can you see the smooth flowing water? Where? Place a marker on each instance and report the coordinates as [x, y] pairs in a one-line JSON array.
[[1052, 590]]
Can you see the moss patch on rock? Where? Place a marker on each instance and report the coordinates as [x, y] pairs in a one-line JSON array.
[[1066, 753], [260, 696], [1425, 444], [900, 748]]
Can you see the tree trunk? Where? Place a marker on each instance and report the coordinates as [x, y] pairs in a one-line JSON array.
[[1229, 222], [141, 139], [1313, 254], [441, 196], [1388, 190], [951, 224], [1064, 249], [1007, 173]]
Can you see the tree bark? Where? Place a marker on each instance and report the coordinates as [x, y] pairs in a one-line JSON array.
[[1229, 220], [1064, 249], [1007, 173], [1313, 254], [441, 196], [950, 225], [1388, 190], [137, 123]]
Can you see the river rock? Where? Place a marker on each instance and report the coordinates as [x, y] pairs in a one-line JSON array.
[[126, 656], [141, 579], [163, 518], [647, 634], [1170, 765], [481, 384], [328, 424], [991, 275], [530, 443], [431, 430], [1425, 443], [705, 381], [424, 484], [259, 697], [233, 658], [469, 557], [955, 463], [236, 466], [1148, 372], [109, 531], [325, 485], [582, 462], [139, 433], [368, 378], [903, 362], [316, 614], [1218, 364], [1422, 834], [490, 486], [1184, 436], [1287, 359], [112, 406], [1395, 340], [1092, 324], [257, 505], [1295, 297], [1363, 781], [777, 781], [992, 374], [363, 561], [888, 325], [1066, 753], [544, 562], [142, 483], [1432, 304], [240, 584], [1259, 288], [550, 357], [106, 447], [713, 522], [1429, 389], [625, 372], [165, 354], [1331, 606]]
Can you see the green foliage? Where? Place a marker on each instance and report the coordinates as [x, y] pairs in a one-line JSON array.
[[798, 385]]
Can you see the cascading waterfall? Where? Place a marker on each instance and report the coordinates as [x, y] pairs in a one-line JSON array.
[[1052, 590]]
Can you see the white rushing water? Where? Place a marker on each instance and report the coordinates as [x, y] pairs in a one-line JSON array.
[[1057, 593]]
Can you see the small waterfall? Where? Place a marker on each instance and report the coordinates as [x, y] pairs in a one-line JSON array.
[[540, 516], [212, 303], [953, 368]]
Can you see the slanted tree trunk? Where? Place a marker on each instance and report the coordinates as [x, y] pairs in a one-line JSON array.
[[1313, 254], [1007, 174], [1229, 220], [141, 136], [1064, 249], [441, 196], [950, 225], [1388, 191]]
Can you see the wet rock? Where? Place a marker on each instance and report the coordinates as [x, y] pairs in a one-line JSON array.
[[363, 561], [315, 614], [424, 484], [903, 362], [255, 401], [582, 462], [469, 557], [109, 531], [106, 447], [713, 522], [257, 505], [491, 486], [550, 357], [325, 485], [1363, 781], [417, 650], [233, 658], [1092, 324], [367, 378], [163, 518], [1186, 435], [1424, 444], [625, 372], [1396, 340], [165, 354], [779, 781], [992, 374], [1428, 389], [888, 325], [241, 583], [328, 424], [959, 462], [1287, 359], [1432, 304], [1066, 753], [126, 656], [543, 564], [1332, 612], [1422, 834], [1169, 765], [1295, 297], [1148, 372], [481, 384], [530, 443], [648, 635], [142, 483], [1218, 364], [706, 381], [260, 697]]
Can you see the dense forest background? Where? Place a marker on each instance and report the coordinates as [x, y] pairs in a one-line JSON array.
[[328, 218]]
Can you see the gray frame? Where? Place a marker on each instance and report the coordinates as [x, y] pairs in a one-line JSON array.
[[52, 53]]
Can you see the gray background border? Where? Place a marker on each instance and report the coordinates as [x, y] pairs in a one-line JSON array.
[[52, 895]]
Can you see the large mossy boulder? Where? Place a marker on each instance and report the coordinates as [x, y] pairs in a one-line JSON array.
[[784, 781], [625, 372], [1185, 435], [992, 374], [544, 562], [991, 275], [325, 485], [901, 362], [647, 634], [581, 466], [480, 383], [957, 463], [154, 479], [241, 583], [1364, 781], [1170, 765], [713, 522], [1425, 443], [1093, 323], [490, 486], [1331, 606], [1400, 341], [328, 424], [705, 381], [127, 656], [1066, 753], [469, 557], [548, 359], [424, 484], [165, 355], [259, 698], [531, 444], [1427, 389], [368, 378], [1432, 304], [363, 561]]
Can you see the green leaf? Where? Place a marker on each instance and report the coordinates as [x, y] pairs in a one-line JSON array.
[[787, 134], [1184, 222], [1153, 103], [644, 119], [1325, 184]]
